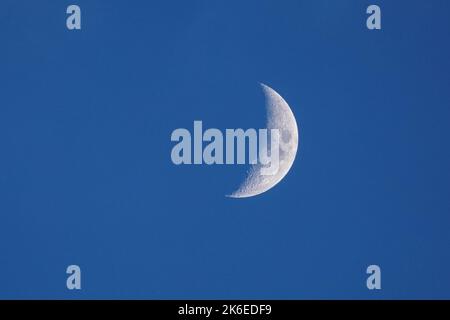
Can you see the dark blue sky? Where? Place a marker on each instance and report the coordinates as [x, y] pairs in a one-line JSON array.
[[85, 170]]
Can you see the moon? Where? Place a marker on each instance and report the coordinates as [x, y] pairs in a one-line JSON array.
[[281, 117]]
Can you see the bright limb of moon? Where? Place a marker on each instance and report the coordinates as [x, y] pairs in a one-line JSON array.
[[281, 117]]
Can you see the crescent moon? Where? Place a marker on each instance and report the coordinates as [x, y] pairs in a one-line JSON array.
[[281, 117]]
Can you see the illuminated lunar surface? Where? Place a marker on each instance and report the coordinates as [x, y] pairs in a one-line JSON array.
[[281, 117]]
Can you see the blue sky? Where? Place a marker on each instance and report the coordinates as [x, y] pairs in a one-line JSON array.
[[85, 170]]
